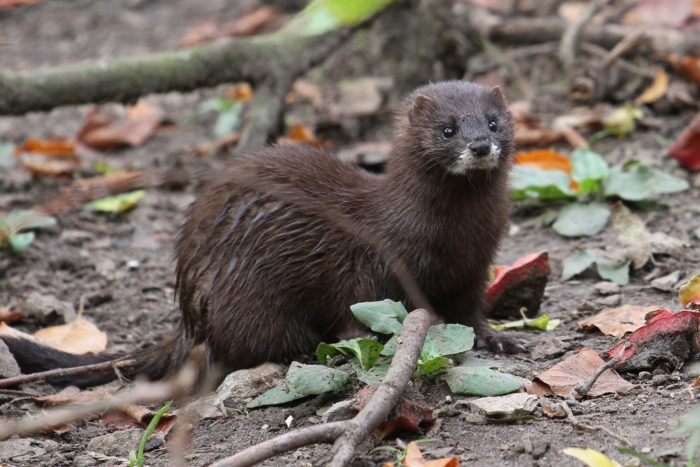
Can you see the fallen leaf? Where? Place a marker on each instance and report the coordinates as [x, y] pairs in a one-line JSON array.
[[481, 381], [8, 315], [667, 339], [581, 219], [618, 321], [117, 204], [79, 337], [690, 291], [144, 415], [414, 458], [591, 457], [687, 66], [406, 415], [528, 130], [254, 21], [303, 134], [202, 31], [673, 13], [576, 370], [686, 148], [100, 132], [520, 285], [656, 90], [242, 91], [48, 157], [544, 159], [11, 3], [80, 397]]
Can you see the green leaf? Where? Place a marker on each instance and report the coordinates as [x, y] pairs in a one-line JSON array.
[[384, 317], [374, 375], [366, 350], [588, 169], [314, 379], [529, 182], [614, 270], [228, 120], [274, 396], [481, 381], [447, 339], [7, 152], [390, 346], [321, 16], [610, 269], [21, 241], [581, 219], [302, 381], [541, 323], [640, 183], [432, 365], [117, 204], [577, 263]]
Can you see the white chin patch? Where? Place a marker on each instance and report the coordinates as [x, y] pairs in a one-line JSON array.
[[468, 161]]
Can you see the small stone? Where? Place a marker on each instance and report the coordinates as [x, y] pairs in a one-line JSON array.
[[506, 408], [8, 364], [133, 264], [607, 288], [75, 237], [118, 443], [47, 309], [339, 411], [610, 300], [644, 376]]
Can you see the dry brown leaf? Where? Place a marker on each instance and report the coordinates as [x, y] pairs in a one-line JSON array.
[[6, 330], [11, 3], [618, 321], [202, 31], [414, 458], [100, 132], [673, 13], [656, 90], [79, 337], [305, 90], [8, 315], [81, 397], [576, 370], [252, 22], [303, 134], [686, 65], [54, 157], [242, 91]]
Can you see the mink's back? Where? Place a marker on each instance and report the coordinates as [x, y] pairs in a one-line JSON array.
[[269, 259]]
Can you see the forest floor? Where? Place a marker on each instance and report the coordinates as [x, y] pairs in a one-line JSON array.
[[121, 265]]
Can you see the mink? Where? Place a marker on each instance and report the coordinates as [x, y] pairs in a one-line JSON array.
[[276, 247]]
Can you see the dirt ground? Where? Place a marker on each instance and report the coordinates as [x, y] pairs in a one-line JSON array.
[[122, 265]]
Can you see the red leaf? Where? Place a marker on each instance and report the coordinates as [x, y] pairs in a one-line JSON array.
[[520, 285], [650, 344], [686, 148], [407, 415]]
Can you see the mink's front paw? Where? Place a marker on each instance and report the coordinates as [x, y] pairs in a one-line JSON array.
[[497, 342]]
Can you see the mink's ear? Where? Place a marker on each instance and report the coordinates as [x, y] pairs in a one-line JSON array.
[[422, 106], [496, 93]]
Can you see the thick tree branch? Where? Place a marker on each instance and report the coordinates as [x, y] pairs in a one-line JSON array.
[[253, 59]]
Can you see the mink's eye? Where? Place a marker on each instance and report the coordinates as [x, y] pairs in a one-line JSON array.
[[493, 126], [448, 132]]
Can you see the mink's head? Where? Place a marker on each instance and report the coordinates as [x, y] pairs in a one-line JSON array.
[[457, 126]]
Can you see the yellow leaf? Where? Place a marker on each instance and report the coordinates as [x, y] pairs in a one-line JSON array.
[[656, 90], [690, 291], [591, 457], [79, 337]]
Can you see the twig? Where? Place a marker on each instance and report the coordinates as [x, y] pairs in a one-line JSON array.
[[349, 434], [61, 372], [583, 389], [572, 36], [138, 393], [571, 418]]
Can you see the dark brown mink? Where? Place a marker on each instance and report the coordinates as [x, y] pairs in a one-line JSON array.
[[275, 249]]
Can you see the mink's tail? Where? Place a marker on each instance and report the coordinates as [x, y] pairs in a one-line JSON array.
[[153, 362]]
